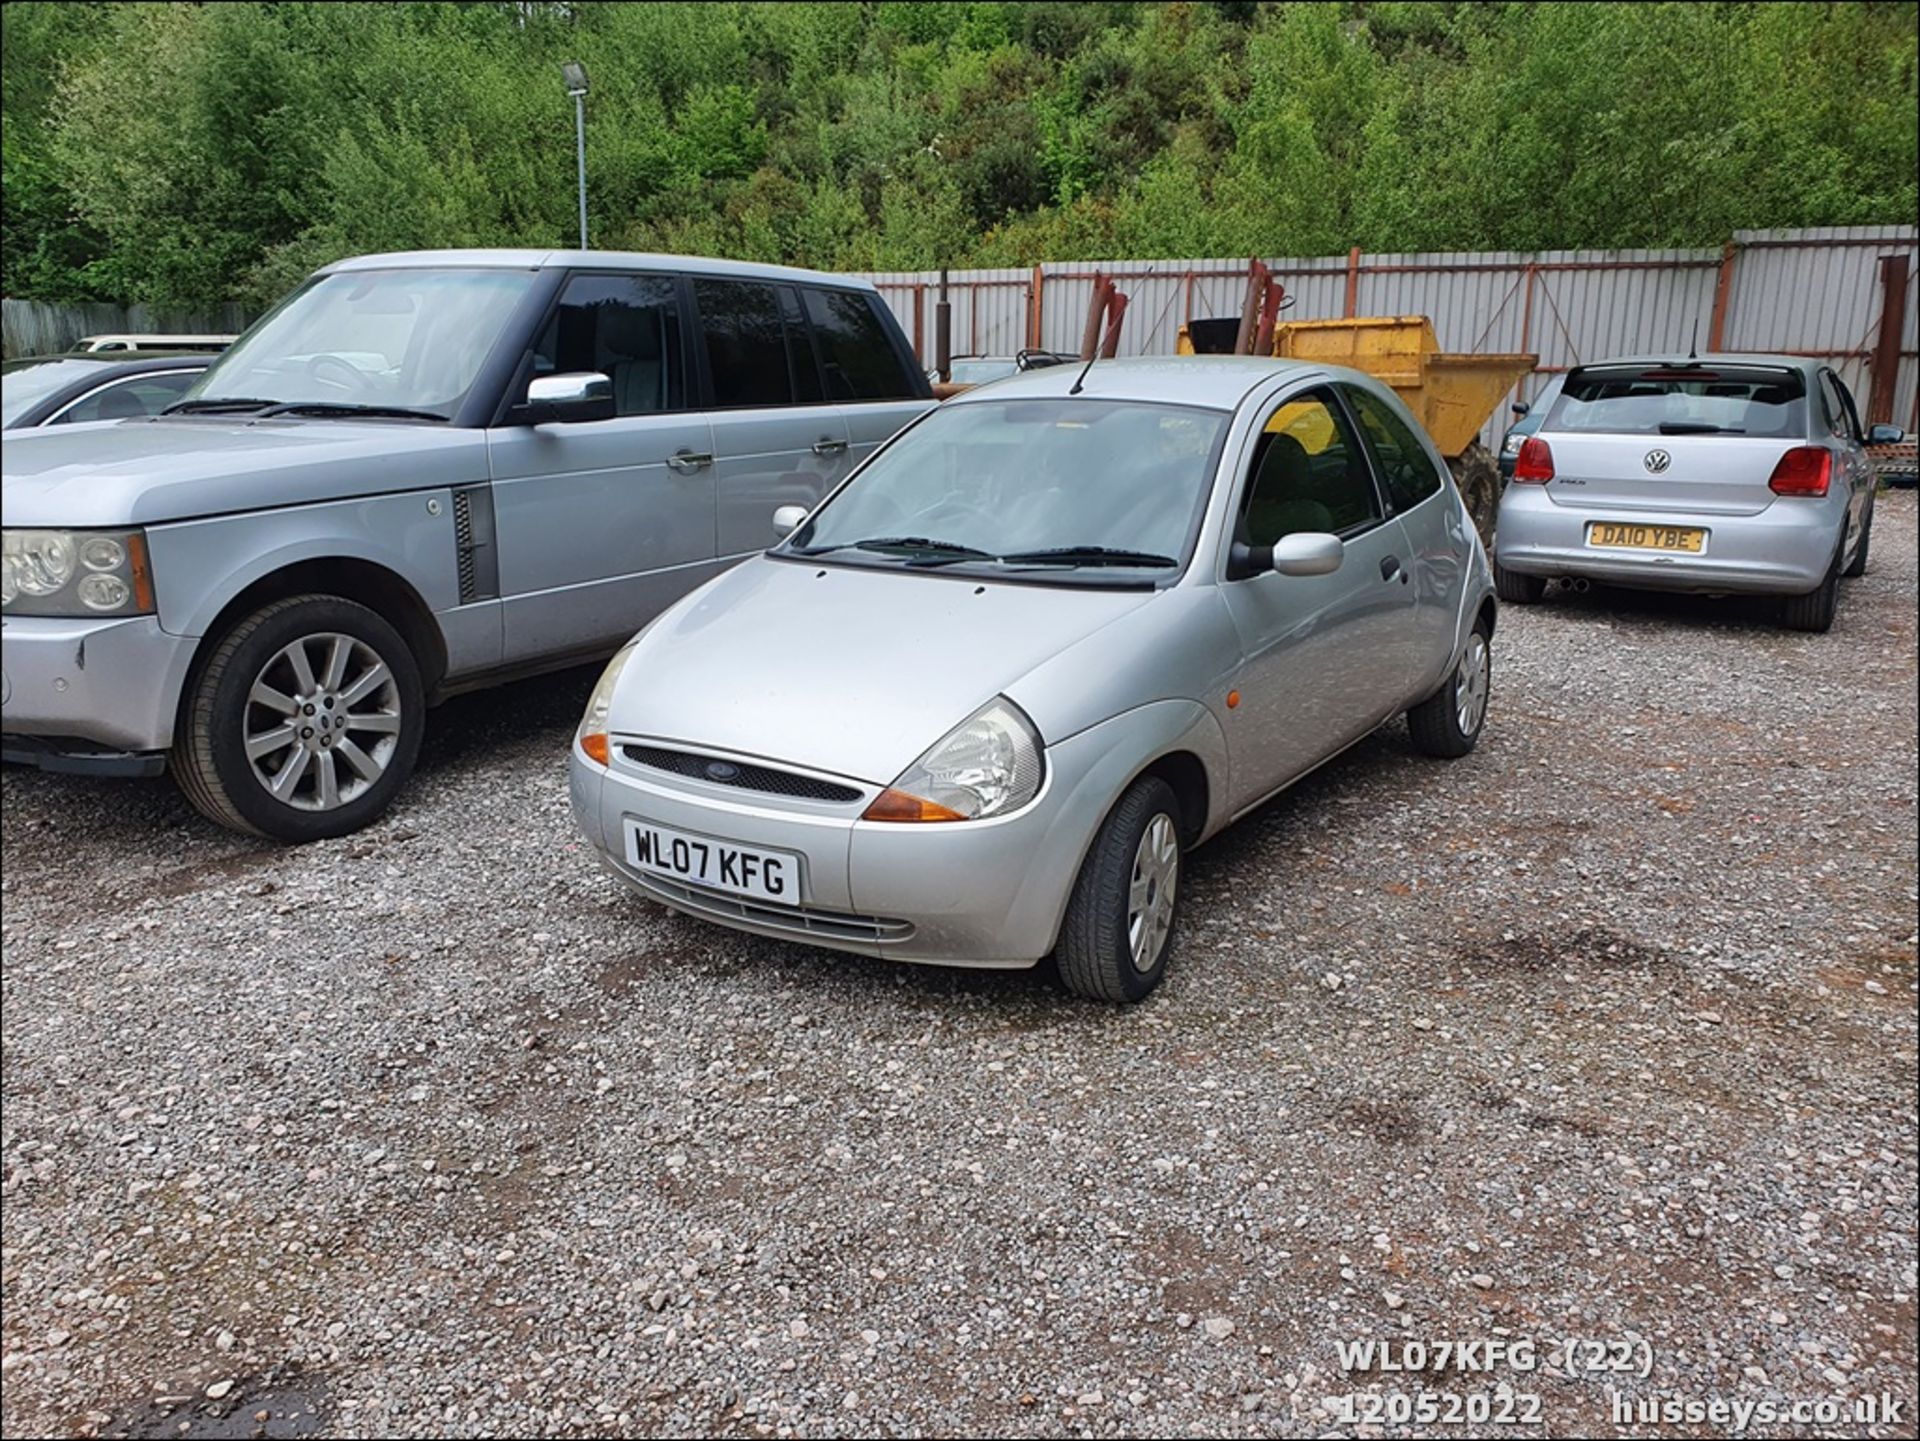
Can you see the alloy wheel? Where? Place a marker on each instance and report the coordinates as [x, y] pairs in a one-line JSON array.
[[1156, 877], [322, 721], [1470, 685]]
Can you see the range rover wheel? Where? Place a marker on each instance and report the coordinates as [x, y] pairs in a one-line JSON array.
[[1448, 722], [304, 721], [1119, 921]]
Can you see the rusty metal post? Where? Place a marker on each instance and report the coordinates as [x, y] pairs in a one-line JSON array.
[[943, 332], [1886, 348], [1526, 321], [1116, 308], [1034, 317], [1250, 307], [1269, 313], [920, 324], [1722, 300], [1353, 283], [1096, 309]]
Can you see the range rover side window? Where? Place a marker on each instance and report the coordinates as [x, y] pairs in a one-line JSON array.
[[1405, 467], [627, 327], [746, 343], [801, 361], [856, 349], [1308, 474]]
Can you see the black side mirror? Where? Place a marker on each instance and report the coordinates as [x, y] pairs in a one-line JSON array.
[[1885, 435], [1520, 408], [573, 396]]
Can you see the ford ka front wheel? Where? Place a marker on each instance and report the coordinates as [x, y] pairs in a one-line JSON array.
[[1120, 918]]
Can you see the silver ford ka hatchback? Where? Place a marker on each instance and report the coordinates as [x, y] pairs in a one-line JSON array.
[[1720, 474], [974, 708]]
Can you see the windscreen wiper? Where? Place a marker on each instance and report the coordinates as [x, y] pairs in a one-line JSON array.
[[1089, 555], [208, 405], [349, 410], [920, 550], [1691, 427]]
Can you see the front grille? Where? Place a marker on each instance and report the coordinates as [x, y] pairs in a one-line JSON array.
[[737, 773], [800, 922]]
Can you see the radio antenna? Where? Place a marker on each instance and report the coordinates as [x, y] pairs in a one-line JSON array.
[[1693, 346], [1082, 378]]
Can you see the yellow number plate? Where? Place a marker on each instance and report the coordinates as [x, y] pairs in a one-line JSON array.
[[1646, 537]]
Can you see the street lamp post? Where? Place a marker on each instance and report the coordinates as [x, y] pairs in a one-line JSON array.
[[575, 75]]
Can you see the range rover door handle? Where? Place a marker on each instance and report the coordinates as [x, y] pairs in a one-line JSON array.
[[688, 461], [826, 445]]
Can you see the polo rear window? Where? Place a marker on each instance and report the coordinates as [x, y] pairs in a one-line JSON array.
[[1681, 399]]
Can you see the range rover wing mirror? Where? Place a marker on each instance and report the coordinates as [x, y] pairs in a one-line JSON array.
[[571, 396]]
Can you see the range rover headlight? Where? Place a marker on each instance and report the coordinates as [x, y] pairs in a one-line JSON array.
[[74, 573], [987, 765]]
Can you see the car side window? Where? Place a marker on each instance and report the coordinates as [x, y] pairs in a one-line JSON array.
[[627, 327], [1833, 410], [1854, 429], [1404, 465], [1308, 474], [137, 396], [856, 349], [802, 364], [746, 343]]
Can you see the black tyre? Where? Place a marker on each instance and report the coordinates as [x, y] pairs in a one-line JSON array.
[[1448, 722], [1815, 610], [1517, 589], [1858, 566], [1476, 474], [303, 723], [1120, 919]]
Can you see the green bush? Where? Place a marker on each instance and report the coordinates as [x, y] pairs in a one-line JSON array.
[[183, 154]]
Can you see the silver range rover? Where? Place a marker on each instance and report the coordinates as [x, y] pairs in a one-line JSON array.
[[1719, 474], [419, 474]]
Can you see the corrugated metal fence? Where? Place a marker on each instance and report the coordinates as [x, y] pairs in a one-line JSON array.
[[41, 327], [1810, 292]]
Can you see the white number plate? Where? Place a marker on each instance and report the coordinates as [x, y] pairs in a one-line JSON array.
[[719, 865]]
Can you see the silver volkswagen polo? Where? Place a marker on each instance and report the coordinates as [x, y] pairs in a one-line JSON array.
[[973, 709], [1719, 474]]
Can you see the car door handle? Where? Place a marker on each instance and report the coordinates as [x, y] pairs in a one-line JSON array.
[[1390, 567], [826, 445], [688, 461]]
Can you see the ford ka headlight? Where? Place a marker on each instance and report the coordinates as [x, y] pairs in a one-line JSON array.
[[72, 573], [989, 764], [591, 736]]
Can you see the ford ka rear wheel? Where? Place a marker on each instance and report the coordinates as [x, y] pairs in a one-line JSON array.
[[1120, 918], [1448, 722], [304, 722]]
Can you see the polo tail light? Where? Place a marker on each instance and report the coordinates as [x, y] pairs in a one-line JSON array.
[[1804, 470], [1534, 464]]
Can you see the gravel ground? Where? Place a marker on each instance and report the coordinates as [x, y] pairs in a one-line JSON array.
[[1606, 1031]]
